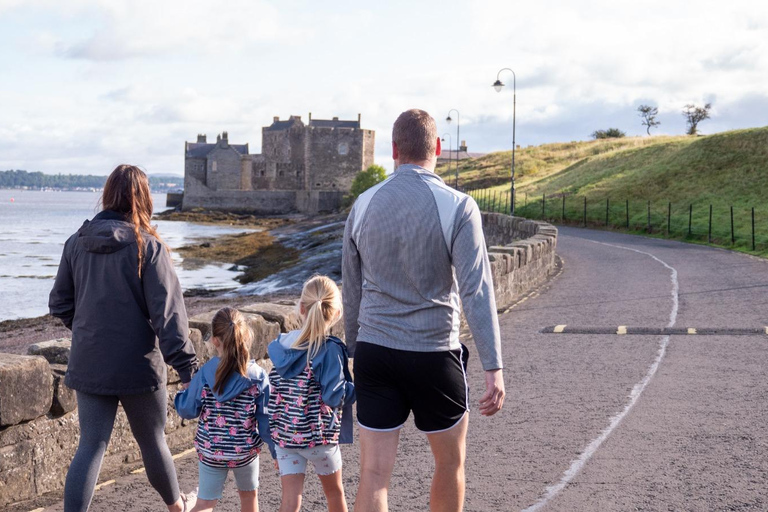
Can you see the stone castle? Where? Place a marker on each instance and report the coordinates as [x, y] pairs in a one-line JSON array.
[[302, 167]]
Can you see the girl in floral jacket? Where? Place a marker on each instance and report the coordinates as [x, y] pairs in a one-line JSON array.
[[310, 386], [229, 394]]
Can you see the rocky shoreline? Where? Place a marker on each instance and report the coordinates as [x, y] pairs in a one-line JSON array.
[[275, 258]]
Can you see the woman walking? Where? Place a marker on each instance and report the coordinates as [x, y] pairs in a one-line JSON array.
[[117, 291]]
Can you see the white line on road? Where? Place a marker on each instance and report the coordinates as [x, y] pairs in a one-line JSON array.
[[577, 464]]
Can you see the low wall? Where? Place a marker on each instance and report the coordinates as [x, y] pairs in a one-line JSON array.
[[38, 414], [522, 254], [262, 202]]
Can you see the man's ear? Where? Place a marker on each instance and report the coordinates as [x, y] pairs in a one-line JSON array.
[[395, 152], [439, 148]]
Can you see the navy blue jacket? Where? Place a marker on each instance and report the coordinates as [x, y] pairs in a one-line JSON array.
[[125, 328]]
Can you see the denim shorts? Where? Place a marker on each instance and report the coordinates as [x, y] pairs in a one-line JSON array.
[[293, 461], [212, 479]]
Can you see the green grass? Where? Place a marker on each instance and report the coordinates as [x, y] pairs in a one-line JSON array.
[[725, 170]]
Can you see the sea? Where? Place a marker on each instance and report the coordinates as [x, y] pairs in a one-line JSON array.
[[35, 224]]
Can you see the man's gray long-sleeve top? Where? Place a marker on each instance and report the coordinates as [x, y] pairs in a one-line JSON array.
[[413, 252]]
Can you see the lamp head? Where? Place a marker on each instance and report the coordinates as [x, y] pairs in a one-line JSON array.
[[498, 85], [448, 119]]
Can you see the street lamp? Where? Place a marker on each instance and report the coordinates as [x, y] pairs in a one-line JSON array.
[[498, 85], [450, 146], [458, 140]]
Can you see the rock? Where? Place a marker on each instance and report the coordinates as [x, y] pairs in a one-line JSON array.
[[286, 316], [54, 351], [263, 331], [64, 398], [204, 351], [202, 323], [26, 388]]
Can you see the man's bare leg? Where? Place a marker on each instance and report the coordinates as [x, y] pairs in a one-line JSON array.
[[450, 450], [377, 459]]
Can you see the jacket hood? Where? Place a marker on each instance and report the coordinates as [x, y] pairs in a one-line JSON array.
[[288, 362], [108, 232], [236, 383]]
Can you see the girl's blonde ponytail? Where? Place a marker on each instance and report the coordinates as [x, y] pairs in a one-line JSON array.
[[321, 301], [234, 334]]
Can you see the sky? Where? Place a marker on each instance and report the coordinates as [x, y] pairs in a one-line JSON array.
[[89, 84]]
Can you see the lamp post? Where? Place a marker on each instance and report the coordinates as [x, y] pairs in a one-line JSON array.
[[498, 85], [450, 146], [458, 140]]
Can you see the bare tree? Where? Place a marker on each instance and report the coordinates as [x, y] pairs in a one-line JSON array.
[[694, 115], [648, 114]]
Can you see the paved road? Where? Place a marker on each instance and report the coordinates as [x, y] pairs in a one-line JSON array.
[[599, 422]]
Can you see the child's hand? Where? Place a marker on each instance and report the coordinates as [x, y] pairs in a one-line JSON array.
[[277, 466]]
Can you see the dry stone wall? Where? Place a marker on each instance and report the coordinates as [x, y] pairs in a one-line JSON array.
[[39, 429]]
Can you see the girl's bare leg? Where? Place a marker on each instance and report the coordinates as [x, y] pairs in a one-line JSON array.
[[204, 505], [293, 487], [334, 492], [249, 500]]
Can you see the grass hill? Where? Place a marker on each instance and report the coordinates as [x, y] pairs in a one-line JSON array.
[[680, 177]]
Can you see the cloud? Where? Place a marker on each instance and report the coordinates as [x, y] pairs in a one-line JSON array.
[[131, 29]]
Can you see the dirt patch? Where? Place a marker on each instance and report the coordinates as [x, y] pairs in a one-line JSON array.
[[200, 216], [260, 253]]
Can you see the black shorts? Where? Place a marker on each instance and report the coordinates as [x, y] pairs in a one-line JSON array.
[[391, 383]]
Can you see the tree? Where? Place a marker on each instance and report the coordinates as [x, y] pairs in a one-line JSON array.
[[366, 179], [648, 114], [610, 133], [694, 115]]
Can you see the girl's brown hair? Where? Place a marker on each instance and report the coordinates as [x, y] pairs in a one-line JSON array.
[[127, 192], [234, 334], [321, 303]]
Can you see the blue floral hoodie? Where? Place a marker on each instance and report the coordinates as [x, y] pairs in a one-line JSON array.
[[311, 401], [233, 424]]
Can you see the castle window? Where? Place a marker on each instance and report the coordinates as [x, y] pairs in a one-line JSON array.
[[298, 173], [213, 166], [263, 173], [343, 148], [280, 173]]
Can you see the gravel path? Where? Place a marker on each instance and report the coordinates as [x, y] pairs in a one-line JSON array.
[[597, 422]]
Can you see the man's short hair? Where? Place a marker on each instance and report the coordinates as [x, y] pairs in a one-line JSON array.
[[415, 134]]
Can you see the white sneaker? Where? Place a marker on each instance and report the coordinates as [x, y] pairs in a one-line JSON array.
[[189, 499]]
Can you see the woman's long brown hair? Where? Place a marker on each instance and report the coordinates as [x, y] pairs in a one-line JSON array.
[[234, 334], [127, 192]]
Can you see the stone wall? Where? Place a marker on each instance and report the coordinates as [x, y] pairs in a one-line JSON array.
[[522, 254], [38, 414]]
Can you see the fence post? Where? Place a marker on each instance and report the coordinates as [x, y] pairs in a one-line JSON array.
[[753, 228], [669, 217], [493, 208], [649, 216], [690, 218], [563, 215], [733, 235], [585, 211], [627, 213], [543, 206], [709, 236]]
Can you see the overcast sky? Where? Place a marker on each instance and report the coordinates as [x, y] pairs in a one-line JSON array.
[[88, 84]]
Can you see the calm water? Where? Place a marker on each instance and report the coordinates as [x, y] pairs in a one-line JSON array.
[[35, 225]]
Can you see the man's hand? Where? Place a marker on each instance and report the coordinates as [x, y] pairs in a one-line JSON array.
[[493, 399], [185, 385]]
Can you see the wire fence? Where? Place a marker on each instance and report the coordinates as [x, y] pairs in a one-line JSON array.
[[738, 227]]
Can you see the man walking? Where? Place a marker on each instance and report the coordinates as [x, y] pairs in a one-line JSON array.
[[413, 251]]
